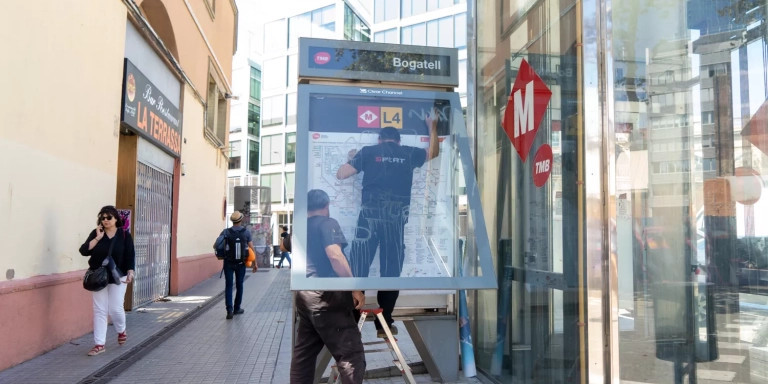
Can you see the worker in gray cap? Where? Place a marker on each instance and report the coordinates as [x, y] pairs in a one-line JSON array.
[[327, 318]]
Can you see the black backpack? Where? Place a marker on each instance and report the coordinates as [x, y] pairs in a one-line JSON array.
[[237, 245]]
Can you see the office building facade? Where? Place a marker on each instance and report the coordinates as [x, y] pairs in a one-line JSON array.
[[245, 116], [342, 20], [442, 24]]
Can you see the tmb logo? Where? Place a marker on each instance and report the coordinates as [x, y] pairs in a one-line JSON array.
[[322, 58], [542, 165], [525, 108]]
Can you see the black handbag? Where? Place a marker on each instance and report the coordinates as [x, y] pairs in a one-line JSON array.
[[97, 279]]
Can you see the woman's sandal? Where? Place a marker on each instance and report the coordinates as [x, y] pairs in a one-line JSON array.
[[122, 338], [96, 350]]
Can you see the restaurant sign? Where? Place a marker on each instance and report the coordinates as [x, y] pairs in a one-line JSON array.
[[148, 112]]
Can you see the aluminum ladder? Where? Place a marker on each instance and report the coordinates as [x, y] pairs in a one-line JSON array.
[[391, 341]]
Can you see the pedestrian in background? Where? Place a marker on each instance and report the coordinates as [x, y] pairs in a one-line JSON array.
[[110, 239], [285, 246], [238, 241], [327, 318]]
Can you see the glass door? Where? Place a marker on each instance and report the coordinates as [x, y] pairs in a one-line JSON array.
[[529, 142], [689, 91]]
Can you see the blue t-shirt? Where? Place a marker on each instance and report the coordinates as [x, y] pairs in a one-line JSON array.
[[388, 171]]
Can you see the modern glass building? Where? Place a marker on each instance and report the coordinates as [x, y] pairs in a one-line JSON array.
[[420, 23], [644, 257], [333, 19], [243, 149], [432, 23], [245, 115]]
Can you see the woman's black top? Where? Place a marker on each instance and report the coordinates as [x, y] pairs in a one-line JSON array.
[[122, 252]]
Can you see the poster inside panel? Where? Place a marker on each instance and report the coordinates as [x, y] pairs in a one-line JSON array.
[[393, 186]]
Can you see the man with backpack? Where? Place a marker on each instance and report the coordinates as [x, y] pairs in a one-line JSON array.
[[232, 247]]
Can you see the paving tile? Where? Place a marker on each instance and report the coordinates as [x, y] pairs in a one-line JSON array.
[[254, 347], [731, 359], [705, 374]]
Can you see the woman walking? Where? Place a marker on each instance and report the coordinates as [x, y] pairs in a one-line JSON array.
[[109, 240]]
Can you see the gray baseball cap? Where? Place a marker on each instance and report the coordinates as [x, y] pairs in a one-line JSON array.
[[317, 199]]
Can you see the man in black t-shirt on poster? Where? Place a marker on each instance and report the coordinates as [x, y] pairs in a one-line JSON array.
[[327, 317], [387, 169]]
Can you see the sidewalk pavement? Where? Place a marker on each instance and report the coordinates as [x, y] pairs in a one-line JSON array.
[[186, 339]]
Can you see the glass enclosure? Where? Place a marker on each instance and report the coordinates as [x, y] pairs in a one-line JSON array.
[[682, 143], [688, 198], [528, 103]]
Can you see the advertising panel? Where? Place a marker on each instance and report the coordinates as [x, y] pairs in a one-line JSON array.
[[389, 162]]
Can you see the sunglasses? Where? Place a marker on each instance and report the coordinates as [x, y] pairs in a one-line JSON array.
[[107, 217]]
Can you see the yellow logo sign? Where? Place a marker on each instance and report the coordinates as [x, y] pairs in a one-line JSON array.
[[392, 117]]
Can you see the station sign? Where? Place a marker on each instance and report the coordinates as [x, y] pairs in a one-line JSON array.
[[526, 106], [356, 60], [149, 112]]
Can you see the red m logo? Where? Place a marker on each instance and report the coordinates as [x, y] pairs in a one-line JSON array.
[[526, 106]]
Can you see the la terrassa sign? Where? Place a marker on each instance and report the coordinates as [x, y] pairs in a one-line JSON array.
[[148, 112], [355, 60]]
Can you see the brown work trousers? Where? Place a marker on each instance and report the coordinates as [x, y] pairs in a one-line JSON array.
[[332, 326]]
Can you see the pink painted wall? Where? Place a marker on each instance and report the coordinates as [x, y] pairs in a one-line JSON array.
[[43, 312], [40, 313], [192, 270]]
